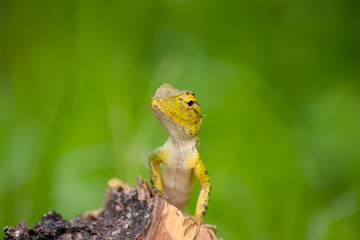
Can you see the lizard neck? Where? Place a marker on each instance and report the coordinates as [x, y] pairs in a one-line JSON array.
[[183, 141]]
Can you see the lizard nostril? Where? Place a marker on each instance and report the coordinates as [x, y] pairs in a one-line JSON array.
[[190, 103]]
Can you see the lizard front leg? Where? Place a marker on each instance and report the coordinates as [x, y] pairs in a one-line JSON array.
[[155, 175], [202, 175]]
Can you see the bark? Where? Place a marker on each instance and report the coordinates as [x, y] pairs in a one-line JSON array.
[[128, 213]]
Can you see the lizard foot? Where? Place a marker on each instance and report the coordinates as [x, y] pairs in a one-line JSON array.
[[115, 183], [198, 222]]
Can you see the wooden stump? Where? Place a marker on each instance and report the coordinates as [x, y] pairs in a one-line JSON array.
[[128, 213]]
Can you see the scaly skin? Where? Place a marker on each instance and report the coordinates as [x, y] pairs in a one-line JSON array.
[[181, 116]]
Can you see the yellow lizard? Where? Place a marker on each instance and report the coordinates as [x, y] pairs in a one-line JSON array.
[[181, 115]]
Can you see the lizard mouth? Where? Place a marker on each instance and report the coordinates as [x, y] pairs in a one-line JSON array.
[[168, 110]]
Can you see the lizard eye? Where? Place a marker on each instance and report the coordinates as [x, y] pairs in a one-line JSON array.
[[190, 103]]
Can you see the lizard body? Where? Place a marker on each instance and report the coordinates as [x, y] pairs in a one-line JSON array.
[[181, 116], [176, 175]]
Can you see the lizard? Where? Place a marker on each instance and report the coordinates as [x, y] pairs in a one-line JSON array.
[[181, 116]]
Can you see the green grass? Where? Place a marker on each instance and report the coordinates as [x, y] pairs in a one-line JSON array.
[[278, 82]]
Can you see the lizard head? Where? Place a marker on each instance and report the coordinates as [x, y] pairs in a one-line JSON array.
[[177, 110]]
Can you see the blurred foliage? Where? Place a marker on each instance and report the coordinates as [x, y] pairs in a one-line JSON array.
[[278, 82]]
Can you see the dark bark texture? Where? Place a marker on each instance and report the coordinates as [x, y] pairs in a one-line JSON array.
[[128, 213]]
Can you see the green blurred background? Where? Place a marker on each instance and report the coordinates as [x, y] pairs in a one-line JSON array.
[[278, 82]]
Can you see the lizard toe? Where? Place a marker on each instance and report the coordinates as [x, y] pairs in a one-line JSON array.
[[198, 222]]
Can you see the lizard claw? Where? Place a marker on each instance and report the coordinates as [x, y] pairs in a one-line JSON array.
[[198, 222]]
